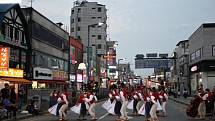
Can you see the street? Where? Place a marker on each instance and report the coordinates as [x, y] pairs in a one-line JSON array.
[[174, 110]]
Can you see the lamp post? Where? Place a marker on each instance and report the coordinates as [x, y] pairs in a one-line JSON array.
[[118, 67], [88, 46]]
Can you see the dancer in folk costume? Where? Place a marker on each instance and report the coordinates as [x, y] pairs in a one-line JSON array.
[[163, 97], [111, 95], [140, 96], [148, 103], [135, 101], [202, 107], [124, 98], [92, 103], [63, 100], [118, 104], [81, 101], [154, 98]]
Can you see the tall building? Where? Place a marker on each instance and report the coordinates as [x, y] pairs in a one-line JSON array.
[[85, 17]]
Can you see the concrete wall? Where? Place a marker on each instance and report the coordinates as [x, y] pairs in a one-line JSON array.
[[49, 49]]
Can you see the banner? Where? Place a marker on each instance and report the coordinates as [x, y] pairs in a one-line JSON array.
[[4, 58]]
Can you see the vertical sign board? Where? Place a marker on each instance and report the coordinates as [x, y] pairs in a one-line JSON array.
[[4, 58]]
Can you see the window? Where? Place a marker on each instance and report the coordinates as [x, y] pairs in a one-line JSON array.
[[79, 28], [99, 46], [23, 38], [79, 37], [93, 17], [198, 54], [72, 20], [72, 29], [72, 11], [11, 33], [79, 10], [3, 28], [99, 36], [79, 19], [99, 17], [192, 56], [93, 8], [93, 35], [16, 34], [99, 9]]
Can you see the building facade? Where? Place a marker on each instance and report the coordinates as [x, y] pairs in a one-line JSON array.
[[84, 20], [14, 47], [202, 57], [49, 51]]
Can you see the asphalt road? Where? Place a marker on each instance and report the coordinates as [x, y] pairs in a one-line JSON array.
[[175, 112]]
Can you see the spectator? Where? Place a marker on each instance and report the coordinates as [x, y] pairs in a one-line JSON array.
[[13, 96], [5, 92], [9, 106], [21, 98]]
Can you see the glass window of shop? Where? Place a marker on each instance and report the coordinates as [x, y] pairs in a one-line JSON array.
[[66, 65]]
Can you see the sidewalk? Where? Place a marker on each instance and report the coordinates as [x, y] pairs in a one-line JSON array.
[[181, 100], [21, 116]]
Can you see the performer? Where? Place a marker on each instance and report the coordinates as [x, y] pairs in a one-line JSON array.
[[154, 99], [92, 102], [124, 98], [163, 96], [202, 107], [148, 103], [111, 93], [118, 104], [136, 100], [81, 101], [64, 102], [140, 99]]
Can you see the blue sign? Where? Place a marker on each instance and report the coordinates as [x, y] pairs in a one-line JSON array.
[[152, 63]]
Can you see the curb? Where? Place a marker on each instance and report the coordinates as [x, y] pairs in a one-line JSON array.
[[178, 101]]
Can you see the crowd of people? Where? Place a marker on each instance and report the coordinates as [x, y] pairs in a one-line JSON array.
[[142, 100], [202, 104], [10, 101]]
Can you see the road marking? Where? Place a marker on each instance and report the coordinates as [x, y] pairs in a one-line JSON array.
[[129, 117], [103, 116]]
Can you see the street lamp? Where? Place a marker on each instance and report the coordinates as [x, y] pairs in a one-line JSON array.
[[121, 59], [88, 46]]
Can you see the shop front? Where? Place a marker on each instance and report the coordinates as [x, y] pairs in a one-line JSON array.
[[202, 73]]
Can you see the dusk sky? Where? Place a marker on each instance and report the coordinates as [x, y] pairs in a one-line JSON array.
[[141, 26]]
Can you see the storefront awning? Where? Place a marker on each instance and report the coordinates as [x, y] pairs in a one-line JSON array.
[[17, 80]]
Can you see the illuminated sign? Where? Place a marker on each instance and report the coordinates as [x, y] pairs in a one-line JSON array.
[[4, 58], [10, 1], [12, 73], [194, 68]]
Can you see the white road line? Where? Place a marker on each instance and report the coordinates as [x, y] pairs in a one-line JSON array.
[[103, 116]]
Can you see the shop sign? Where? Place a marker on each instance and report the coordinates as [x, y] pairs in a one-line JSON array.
[[72, 77], [79, 78], [4, 58], [59, 75], [12, 73], [194, 68], [42, 73]]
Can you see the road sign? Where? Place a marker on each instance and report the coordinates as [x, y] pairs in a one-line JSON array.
[[152, 63]]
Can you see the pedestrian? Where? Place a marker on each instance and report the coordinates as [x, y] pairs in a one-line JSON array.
[[124, 98], [9, 107], [13, 96], [154, 99], [179, 93], [21, 97], [209, 102], [64, 102], [92, 103], [185, 93], [163, 96]]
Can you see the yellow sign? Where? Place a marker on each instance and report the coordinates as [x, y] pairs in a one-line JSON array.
[[12, 73]]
